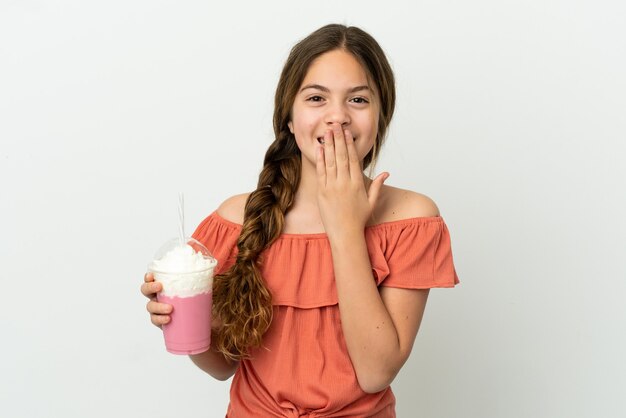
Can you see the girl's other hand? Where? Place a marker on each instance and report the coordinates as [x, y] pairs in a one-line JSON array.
[[159, 312]]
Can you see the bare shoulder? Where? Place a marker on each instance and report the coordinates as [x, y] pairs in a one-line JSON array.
[[232, 209], [400, 204]]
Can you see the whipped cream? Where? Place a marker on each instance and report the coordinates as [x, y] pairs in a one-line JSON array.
[[184, 272]]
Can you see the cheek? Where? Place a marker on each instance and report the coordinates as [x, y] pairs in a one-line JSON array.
[[370, 129], [304, 124], [365, 147], [369, 125]]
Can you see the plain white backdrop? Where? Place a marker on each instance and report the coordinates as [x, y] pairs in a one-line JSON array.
[[510, 115]]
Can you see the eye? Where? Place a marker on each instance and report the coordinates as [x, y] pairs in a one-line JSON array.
[[360, 100], [315, 99]]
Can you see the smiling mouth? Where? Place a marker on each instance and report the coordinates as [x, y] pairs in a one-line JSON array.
[[321, 139]]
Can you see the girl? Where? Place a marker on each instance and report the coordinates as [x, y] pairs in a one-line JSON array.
[[324, 272]]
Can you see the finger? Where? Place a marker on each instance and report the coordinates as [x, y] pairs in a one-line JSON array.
[[150, 289], [159, 320], [329, 156], [341, 153], [148, 277], [374, 189], [320, 167], [146, 289], [353, 157], [159, 308]]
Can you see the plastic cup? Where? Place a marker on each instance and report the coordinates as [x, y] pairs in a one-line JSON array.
[[190, 294]]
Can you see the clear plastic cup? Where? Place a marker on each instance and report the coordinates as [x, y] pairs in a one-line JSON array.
[[187, 286]]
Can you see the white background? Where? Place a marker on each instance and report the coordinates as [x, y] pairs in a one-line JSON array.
[[510, 115]]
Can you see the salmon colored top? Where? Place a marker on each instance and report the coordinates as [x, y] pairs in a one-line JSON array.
[[306, 370]]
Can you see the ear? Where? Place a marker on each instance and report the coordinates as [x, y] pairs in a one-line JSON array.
[[290, 124]]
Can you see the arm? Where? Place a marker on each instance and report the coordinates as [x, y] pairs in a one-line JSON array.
[[215, 364], [210, 361], [379, 327]]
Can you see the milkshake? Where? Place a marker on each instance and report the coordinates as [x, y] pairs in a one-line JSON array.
[[186, 274]]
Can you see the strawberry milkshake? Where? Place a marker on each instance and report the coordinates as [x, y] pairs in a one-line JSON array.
[[186, 273]]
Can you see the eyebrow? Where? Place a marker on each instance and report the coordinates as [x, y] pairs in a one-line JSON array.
[[327, 90]]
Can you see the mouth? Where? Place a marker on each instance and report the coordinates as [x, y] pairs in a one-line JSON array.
[[320, 139]]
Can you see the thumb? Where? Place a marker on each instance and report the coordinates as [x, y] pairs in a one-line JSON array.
[[375, 186]]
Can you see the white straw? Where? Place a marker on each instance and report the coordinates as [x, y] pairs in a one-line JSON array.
[[181, 219]]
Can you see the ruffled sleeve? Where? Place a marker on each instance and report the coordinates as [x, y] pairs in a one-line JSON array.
[[413, 254], [220, 238]]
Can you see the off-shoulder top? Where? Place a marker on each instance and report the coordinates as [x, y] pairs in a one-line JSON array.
[[304, 369]]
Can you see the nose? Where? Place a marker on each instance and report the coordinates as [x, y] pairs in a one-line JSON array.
[[337, 113]]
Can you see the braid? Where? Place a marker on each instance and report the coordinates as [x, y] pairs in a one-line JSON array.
[[241, 299]]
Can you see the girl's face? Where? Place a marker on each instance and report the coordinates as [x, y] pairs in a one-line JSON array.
[[334, 91]]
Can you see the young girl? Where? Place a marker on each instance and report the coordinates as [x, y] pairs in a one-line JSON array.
[[324, 272]]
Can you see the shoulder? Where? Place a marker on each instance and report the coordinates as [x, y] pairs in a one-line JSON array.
[[398, 204], [232, 209]]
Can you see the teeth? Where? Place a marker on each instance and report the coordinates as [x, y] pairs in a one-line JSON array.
[[321, 140]]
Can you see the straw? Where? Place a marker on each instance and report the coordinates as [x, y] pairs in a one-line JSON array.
[[181, 219]]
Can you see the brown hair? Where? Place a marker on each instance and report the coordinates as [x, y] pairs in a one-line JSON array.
[[241, 300]]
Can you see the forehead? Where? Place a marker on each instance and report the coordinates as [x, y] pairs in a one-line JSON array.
[[336, 68]]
